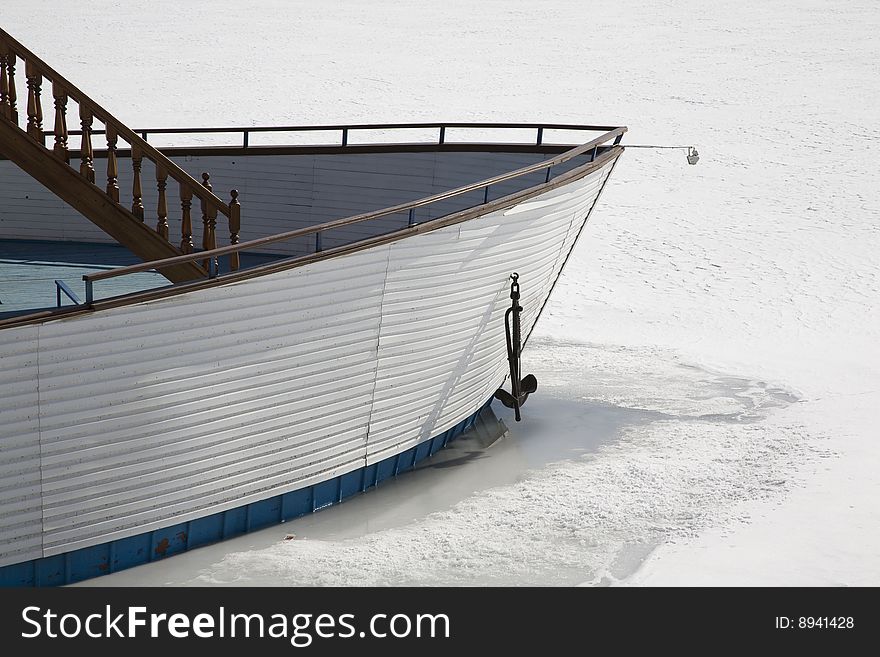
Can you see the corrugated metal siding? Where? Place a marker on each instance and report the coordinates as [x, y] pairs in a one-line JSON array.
[[184, 407], [278, 193], [157, 413], [20, 492], [440, 345]]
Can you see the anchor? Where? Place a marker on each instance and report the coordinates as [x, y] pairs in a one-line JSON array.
[[520, 388]]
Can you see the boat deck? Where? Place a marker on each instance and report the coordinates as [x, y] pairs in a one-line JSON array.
[[29, 269]]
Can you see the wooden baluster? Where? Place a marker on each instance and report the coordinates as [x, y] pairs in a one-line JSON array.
[[4, 83], [186, 228], [11, 98], [34, 107], [87, 166], [234, 227], [60, 148], [207, 185], [162, 211], [137, 202], [212, 232], [209, 221], [112, 164]]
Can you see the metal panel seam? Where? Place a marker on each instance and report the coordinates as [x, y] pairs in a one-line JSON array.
[[40, 445], [378, 343]]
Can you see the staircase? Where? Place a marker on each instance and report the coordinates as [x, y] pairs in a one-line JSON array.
[[76, 185]]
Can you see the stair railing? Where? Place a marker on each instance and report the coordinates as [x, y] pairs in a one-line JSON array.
[[13, 56]]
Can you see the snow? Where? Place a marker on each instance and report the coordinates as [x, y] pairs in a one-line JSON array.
[[708, 364]]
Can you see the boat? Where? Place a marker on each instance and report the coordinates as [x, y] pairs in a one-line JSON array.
[[210, 362]]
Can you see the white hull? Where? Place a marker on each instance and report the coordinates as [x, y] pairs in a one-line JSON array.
[[147, 415]]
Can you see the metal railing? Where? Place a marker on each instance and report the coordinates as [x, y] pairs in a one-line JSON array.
[[345, 131], [610, 137], [61, 286]]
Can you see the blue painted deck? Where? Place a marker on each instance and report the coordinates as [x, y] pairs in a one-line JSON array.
[[28, 270], [125, 553]]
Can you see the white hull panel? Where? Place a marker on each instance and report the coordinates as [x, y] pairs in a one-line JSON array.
[[278, 193], [142, 416]]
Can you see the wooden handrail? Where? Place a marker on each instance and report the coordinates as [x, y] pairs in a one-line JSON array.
[[288, 264], [592, 145], [120, 129], [37, 70]]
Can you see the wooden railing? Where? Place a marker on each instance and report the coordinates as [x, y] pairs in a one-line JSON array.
[[14, 56], [608, 141]]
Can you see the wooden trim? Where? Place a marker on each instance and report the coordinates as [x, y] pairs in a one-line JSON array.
[[123, 131], [292, 263], [338, 223], [92, 202]]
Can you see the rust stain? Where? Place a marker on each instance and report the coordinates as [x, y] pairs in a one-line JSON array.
[[103, 567], [181, 536], [162, 547]]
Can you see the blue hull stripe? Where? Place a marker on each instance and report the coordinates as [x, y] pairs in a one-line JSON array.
[[125, 553]]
